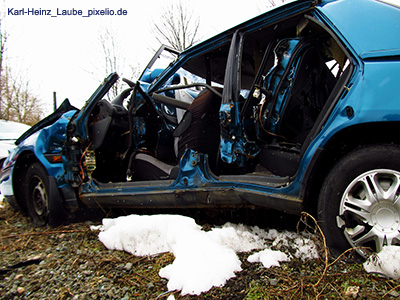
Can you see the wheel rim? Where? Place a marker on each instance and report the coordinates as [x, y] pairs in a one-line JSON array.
[[369, 210], [39, 197]]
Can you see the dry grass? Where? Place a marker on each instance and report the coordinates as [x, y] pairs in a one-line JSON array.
[[69, 261]]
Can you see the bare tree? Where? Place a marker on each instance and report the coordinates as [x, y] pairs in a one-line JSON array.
[[177, 27], [113, 60], [3, 40], [18, 102], [273, 3]]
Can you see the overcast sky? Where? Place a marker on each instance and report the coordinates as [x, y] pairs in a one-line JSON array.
[[63, 54]]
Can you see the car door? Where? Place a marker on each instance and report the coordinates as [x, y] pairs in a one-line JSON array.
[[78, 139]]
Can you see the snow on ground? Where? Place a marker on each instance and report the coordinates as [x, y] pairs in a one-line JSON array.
[[385, 263], [269, 258], [207, 259], [202, 259]]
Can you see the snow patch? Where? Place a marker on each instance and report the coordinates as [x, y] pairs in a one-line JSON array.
[[385, 263], [239, 237], [144, 235], [200, 263], [202, 259], [269, 258]]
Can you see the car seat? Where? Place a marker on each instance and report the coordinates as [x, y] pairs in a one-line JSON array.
[[199, 130], [299, 93]]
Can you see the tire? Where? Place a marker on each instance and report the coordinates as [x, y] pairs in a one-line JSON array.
[[37, 194], [359, 203]]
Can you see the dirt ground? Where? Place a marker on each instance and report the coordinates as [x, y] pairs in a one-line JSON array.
[[68, 262]]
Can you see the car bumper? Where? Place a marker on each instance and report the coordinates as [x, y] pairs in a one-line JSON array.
[[5, 182]]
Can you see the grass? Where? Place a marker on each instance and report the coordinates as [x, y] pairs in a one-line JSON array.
[[85, 262]]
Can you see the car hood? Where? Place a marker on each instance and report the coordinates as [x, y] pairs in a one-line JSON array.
[[5, 147], [62, 109], [371, 27]]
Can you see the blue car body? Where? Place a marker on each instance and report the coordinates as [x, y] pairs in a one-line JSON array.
[[273, 152]]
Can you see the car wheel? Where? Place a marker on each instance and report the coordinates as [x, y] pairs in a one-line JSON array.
[[37, 194], [359, 203]]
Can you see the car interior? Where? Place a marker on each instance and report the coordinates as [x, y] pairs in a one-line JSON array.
[[291, 74]]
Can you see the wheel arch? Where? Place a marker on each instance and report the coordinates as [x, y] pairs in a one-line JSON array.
[[343, 142], [58, 214]]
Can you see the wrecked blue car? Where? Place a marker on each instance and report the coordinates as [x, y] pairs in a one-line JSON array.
[[295, 110]]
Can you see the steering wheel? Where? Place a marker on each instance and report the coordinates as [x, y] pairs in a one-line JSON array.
[[119, 100], [129, 82]]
